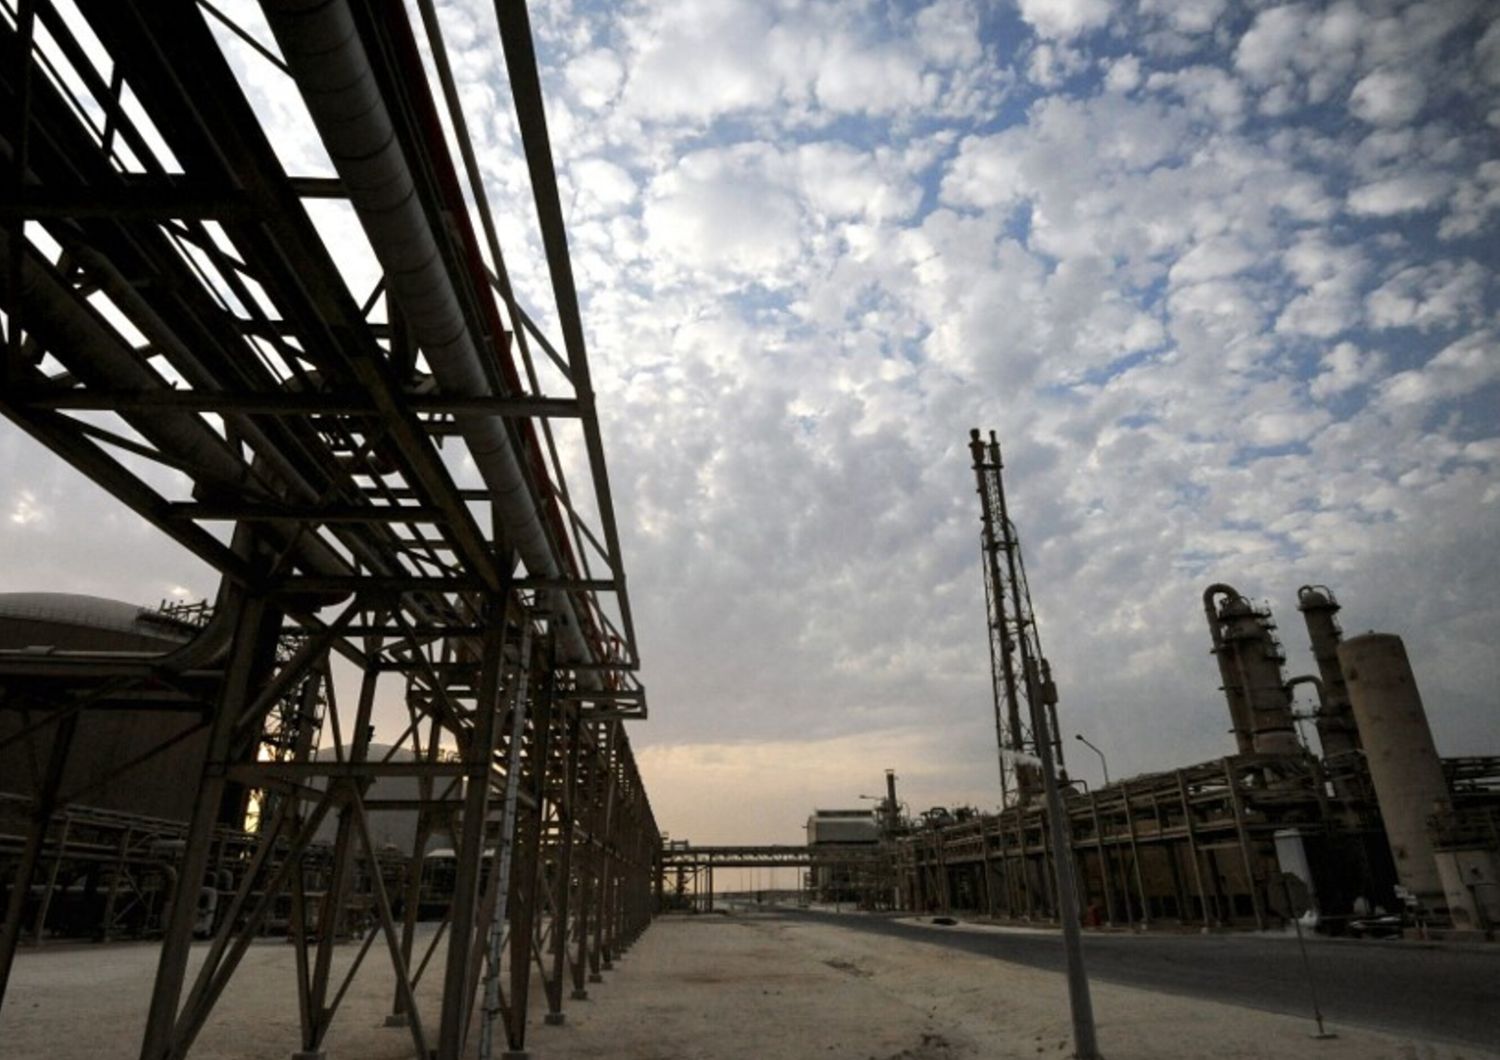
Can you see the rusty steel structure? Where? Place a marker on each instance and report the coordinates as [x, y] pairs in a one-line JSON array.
[[377, 476]]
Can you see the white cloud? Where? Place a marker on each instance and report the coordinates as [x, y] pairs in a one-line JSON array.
[[1207, 91], [1442, 295], [1213, 259], [723, 76], [1330, 279], [881, 80], [595, 76], [1305, 52], [1407, 193], [1064, 19], [1475, 201], [601, 186], [948, 32], [1487, 53], [1187, 16], [726, 210], [1460, 368], [1123, 74], [1344, 367], [1388, 97], [25, 511]]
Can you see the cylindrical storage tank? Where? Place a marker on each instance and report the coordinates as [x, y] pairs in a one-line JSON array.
[[1336, 729], [1403, 761], [1471, 880]]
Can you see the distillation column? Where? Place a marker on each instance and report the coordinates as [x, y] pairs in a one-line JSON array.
[[1337, 733], [1260, 704]]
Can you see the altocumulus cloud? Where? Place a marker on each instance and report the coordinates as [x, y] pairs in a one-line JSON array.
[[1221, 275]]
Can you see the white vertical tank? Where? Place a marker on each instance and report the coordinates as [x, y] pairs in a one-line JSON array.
[[1403, 761]]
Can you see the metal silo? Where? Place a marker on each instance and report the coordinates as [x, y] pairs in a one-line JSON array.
[[1403, 761]]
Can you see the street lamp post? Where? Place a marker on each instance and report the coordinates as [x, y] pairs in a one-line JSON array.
[[1102, 763]]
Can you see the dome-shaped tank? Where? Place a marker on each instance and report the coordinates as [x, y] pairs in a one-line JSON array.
[[105, 739]]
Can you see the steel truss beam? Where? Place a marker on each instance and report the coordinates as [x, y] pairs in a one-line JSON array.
[[170, 307]]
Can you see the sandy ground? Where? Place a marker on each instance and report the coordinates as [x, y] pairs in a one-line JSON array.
[[708, 987]]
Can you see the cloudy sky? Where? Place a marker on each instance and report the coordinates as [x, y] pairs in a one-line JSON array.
[[1221, 276]]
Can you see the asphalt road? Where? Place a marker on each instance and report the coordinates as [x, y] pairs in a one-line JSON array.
[[1428, 991]]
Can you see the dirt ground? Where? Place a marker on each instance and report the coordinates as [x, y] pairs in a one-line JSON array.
[[694, 988]]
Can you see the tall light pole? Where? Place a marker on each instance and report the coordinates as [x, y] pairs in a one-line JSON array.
[[1102, 763]]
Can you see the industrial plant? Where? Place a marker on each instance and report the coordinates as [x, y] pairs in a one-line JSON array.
[[1383, 834]]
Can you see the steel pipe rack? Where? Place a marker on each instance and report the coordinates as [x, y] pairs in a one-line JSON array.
[[180, 331]]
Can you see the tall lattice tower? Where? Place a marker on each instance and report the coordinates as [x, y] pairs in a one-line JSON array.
[[1021, 675]]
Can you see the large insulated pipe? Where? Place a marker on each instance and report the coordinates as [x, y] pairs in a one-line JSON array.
[[1337, 732], [1230, 679], [1403, 760], [323, 50]]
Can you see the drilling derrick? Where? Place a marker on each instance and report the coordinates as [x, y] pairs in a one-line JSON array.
[[1020, 674]]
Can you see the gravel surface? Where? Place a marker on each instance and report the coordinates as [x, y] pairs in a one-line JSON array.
[[696, 988]]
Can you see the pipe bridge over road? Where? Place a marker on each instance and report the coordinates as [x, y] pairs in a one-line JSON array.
[[750, 857]]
